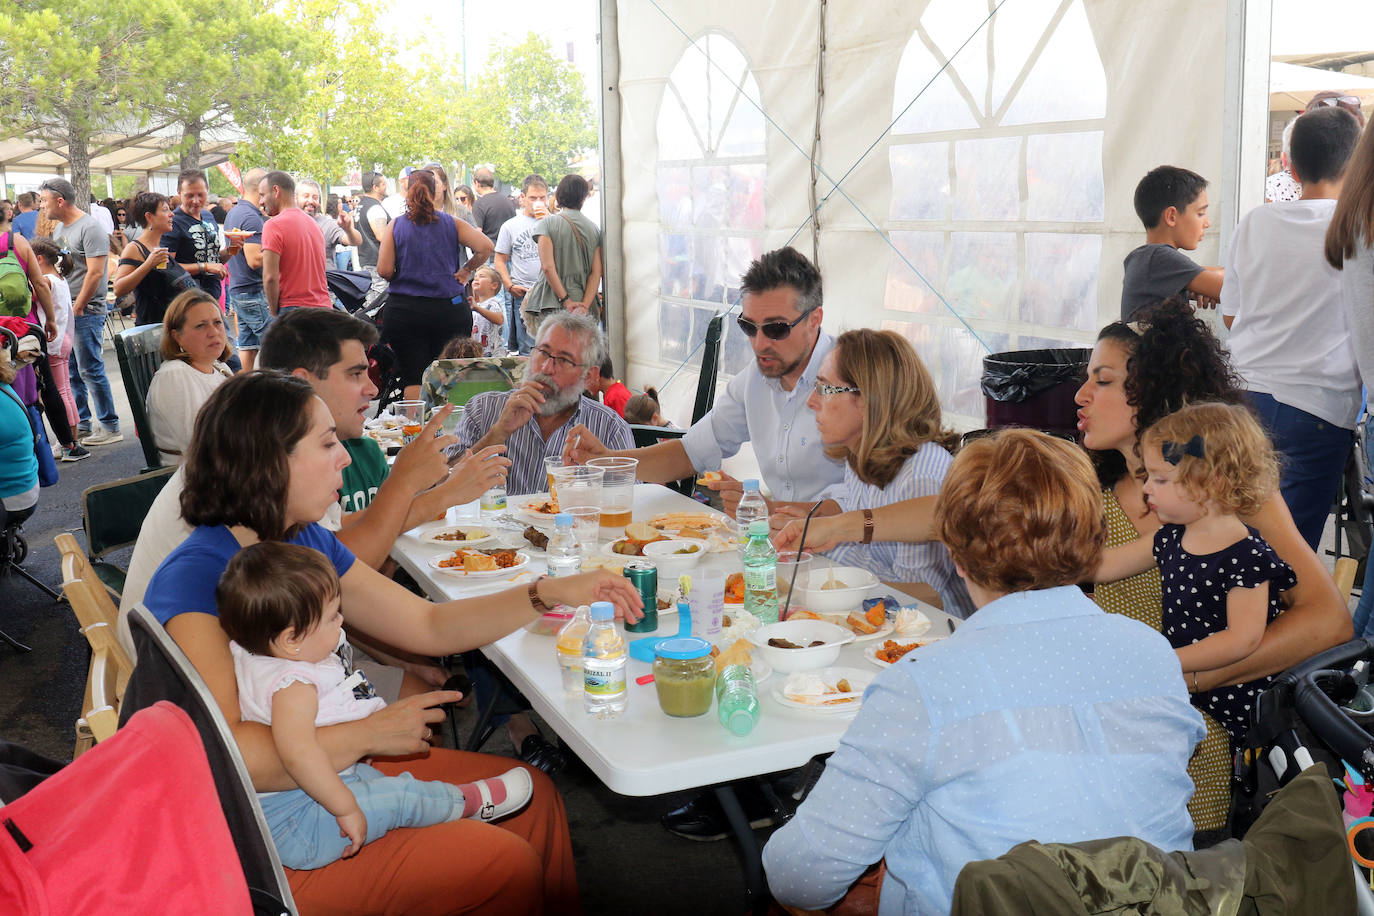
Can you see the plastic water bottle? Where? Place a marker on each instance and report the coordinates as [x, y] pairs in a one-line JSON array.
[[761, 574], [563, 556], [737, 701], [603, 664], [569, 649], [751, 507]]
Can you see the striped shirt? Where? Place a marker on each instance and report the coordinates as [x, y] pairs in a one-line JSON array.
[[929, 562], [527, 448]]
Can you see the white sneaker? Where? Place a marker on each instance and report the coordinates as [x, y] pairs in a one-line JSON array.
[[57, 451], [103, 437]]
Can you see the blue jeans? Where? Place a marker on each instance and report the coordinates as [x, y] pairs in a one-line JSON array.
[[1313, 453], [343, 259], [87, 369], [254, 318], [524, 342], [307, 835]]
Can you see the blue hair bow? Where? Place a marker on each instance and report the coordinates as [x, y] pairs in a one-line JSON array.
[[1173, 452]]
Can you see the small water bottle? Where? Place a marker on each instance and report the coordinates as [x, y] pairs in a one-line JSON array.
[[494, 500], [563, 556], [751, 507], [761, 574], [604, 655], [568, 648], [737, 700]]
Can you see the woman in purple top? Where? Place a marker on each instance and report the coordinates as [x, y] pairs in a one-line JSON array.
[[420, 255]]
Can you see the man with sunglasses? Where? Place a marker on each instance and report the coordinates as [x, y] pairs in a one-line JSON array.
[[534, 420], [765, 405]]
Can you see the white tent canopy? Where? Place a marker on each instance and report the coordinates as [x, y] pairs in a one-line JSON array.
[[1291, 86], [985, 164]]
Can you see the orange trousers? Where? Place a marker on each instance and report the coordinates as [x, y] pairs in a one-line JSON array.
[[520, 865]]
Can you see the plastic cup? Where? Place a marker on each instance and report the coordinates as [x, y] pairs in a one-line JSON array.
[[412, 416], [586, 527], [617, 490], [788, 562], [551, 464], [578, 485]]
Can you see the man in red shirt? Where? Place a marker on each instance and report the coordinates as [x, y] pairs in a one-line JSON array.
[[292, 250]]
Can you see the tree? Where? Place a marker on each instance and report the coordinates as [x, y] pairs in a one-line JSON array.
[[76, 69], [527, 113]]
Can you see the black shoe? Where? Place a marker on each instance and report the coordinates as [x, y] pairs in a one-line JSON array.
[[539, 753], [702, 819]]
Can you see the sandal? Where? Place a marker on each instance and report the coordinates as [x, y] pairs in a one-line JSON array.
[[539, 753]]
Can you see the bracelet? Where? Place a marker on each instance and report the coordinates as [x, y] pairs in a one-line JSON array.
[[535, 601], [1195, 690], [868, 526]]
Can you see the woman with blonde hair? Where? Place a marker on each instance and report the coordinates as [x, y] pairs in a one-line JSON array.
[[194, 348], [877, 409]]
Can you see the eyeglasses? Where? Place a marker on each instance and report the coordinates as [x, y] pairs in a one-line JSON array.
[[773, 330], [822, 389], [561, 362], [1338, 100]]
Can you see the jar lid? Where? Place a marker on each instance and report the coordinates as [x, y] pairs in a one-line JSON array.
[[682, 647]]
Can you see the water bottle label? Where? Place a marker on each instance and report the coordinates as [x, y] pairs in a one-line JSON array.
[[603, 680], [761, 578]]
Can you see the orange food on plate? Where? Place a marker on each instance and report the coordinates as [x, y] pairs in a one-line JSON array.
[[867, 623], [710, 477], [893, 650], [480, 560], [734, 588]]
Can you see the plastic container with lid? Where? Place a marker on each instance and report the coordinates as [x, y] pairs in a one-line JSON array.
[[684, 676]]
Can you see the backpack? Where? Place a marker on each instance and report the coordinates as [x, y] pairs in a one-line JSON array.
[[16, 298]]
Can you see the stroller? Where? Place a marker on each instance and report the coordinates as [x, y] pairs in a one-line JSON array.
[[364, 299], [1320, 712]]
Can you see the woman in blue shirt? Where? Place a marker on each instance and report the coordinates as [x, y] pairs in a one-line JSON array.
[[264, 464]]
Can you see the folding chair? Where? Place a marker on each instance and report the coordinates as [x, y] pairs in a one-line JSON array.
[[140, 353], [710, 368], [646, 435], [164, 673], [112, 514], [110, 664], [457, 381]]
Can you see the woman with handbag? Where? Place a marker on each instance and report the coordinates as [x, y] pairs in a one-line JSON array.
[[145, 268], [421, 254], [570, 257]]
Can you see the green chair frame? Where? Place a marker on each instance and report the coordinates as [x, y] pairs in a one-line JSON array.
[[457, 381], [140, 353], [112, 514]]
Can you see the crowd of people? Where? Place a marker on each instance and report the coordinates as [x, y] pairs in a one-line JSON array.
[[1195, 501]]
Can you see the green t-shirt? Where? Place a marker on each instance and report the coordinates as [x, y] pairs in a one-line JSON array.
[[363, 476]]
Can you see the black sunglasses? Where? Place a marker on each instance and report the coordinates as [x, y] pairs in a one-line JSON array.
[[773, 330]]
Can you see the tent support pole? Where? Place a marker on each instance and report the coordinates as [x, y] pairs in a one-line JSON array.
[[1245, 113], [612, 187]]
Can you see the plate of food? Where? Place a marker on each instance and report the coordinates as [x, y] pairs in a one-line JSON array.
[[457, 535], [481, 564], [893, 650], [699, 525], [741, 652], [637, 536], [829, 691], [541, 507], [734, 588], [865, 625]]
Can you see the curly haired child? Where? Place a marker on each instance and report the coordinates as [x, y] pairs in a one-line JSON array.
[[1206, 465]]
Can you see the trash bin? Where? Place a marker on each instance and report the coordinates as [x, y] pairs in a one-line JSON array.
[[1034, 388]]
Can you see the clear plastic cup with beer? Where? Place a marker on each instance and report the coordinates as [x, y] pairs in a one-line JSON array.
[[617, 490]]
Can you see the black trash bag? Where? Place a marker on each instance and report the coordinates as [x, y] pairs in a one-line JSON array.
[[1021, 374]]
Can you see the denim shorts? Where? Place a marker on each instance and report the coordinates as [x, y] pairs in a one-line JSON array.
[[254, 318]]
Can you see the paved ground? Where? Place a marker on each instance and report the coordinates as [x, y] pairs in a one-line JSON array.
[[627, 864]]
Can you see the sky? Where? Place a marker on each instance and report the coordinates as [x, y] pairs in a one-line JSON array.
[[1322, 26]]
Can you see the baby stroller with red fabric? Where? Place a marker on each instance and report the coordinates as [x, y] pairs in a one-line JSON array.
[[1320, 712]]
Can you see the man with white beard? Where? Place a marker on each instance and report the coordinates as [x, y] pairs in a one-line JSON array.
[[533, 420]]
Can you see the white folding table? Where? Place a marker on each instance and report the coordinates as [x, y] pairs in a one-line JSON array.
[[644, 751]]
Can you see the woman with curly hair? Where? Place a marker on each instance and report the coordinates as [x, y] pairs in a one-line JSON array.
[[876, 408], [421, 254]]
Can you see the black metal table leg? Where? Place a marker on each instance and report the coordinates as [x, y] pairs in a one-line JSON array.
[[755, 888]]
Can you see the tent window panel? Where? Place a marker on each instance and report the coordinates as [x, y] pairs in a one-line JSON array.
[[948, 23], [675, 330], [674, 197], [986, 178], [982, 274], [940, 105], [961, 368], [1059, 289], [746, 185], [920, 181], [675, 265], [905, 290], [1064, 177], [1017, 30], [1067, 81], [676, 130]]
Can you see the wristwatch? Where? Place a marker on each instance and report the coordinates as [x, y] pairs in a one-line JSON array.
[[564, 300], [535, 601], [868, 526]]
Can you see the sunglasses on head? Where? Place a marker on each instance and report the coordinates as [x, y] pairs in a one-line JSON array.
[[773, 330]]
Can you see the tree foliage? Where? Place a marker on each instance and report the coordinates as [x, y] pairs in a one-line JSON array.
[[527, 113]]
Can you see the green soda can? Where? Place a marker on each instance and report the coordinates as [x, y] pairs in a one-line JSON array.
[[643, 575]]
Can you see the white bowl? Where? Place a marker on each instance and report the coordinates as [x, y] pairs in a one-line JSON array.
[[860, 583], [669, 563], [801, 632]]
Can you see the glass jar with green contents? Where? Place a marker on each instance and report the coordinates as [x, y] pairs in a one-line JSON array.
[[684, 676]]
